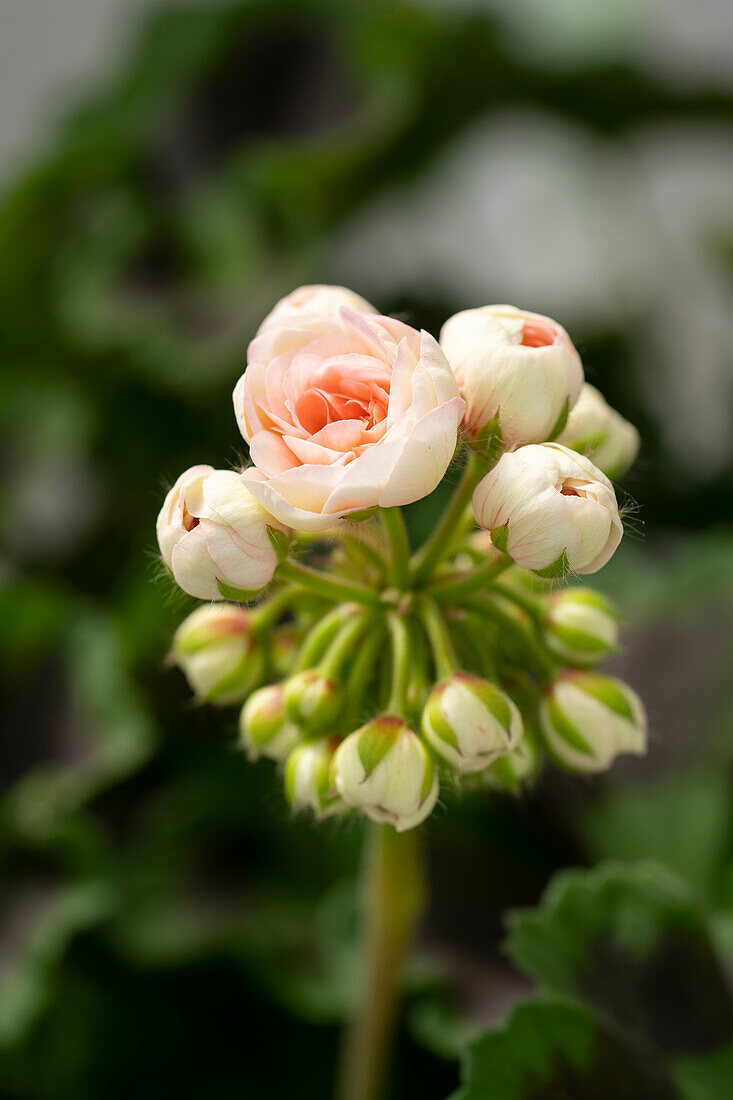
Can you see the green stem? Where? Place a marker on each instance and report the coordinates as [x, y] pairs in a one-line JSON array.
[[400, 639], [541, 659], [327, 585], [441, 644], [392, 902], [434, 549], [319, 638], [266, 614], [360, 675], [343, 644], [363, 556], [455, 588], [531, 607], [394, 524]]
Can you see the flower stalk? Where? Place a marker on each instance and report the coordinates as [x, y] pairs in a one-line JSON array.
[[392, 901]]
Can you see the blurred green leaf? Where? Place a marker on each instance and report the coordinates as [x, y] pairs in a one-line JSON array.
[[557, 1049]]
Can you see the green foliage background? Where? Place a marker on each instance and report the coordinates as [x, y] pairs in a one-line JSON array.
[[168, 929]]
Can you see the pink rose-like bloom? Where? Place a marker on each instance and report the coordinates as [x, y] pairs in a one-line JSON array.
[[313, 301], [549, 509], [213, 533], [345, 412]]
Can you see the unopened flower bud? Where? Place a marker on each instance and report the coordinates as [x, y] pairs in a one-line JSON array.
[[386, 771], [471, 722], [218, 653], [313, 301], [598, 431], [550, 510], [264, 727], [214, 536], [518, 768], [580, 626], [312, 700], [308, 779], [588, 720], [516, 370]]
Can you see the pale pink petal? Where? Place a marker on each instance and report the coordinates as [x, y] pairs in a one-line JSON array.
[[270, 453], [294, 498], [234, 562], [428, 450]]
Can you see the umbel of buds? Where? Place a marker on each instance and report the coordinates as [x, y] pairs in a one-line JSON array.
[[219, 654], [371, 670], [470, 722], [588, 720]]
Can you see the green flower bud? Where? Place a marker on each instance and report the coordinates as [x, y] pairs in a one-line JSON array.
[[386, 771], [312, 700], [471, 722], [218, 653], [588, 720], [308, 780], [581, 626], [264, 728]]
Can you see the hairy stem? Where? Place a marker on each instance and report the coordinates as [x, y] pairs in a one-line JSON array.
[[394, 524], [392, 901], [327, 585], [400, 639], [461, 585], [344, 643], [319, 638], [441, 644]]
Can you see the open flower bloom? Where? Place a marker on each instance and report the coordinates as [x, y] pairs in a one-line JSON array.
[[514, 368], [550, 510], [313, 301], [213, 535], [343, 413]]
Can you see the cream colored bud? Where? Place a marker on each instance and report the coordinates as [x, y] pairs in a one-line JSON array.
[[588, 720], [580, 626], [214, 536], [386, 771], [471, 722], [516, 370], [264, 727], [550, 510], [598, 431], [218, 654], [308, 780]]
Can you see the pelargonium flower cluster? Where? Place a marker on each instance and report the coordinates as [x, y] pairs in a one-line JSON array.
[[374, 672]]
